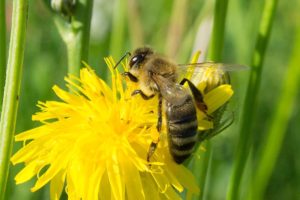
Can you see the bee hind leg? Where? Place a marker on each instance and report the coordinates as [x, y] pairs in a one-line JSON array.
[[152, 149], [153, 144], [198, 97], [223, 125]]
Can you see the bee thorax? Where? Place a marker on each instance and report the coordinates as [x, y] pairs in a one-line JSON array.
[[148, 89]]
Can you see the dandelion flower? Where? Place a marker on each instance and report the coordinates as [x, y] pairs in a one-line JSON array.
[[93, 144]]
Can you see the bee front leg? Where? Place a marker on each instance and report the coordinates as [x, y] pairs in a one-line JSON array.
[[153, 144], [198, 97], [130, 76]]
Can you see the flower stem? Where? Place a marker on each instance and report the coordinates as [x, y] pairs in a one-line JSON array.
[[215, 54], [116, 46], [193, 38], [136, 32], [118, 28], [76, 34], [12, 88], [2, 49], [176, 27], [217, 40], [279, 122], [245, 140], [203, 169]]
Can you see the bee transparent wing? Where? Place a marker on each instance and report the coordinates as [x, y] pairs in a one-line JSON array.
[[219, 66], [170, 91], [198, 72]]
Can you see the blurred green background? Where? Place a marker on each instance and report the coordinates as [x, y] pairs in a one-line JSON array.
[[177, 29]]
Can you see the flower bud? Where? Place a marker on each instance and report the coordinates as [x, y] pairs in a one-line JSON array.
[[65, 7]]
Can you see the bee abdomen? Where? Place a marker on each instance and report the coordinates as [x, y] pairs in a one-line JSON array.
[[182, 129]]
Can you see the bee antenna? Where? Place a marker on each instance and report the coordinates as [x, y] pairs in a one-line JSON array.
[[122, 58]]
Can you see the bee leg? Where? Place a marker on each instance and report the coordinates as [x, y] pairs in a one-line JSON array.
[[224, 125], [130, 76], [198, 97], [159, 121], [145, 97], [151, 150], [153, 144]]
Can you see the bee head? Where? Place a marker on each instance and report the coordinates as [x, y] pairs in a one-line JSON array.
[[139, 57]]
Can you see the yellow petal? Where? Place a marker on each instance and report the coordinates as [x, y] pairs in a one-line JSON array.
[[57, 185], [218, 97], [161, 180], [150, 187], [171, 194], [185, 177], [133, 183], [173, 179], [194, 60], [58, 164], [53, 110], [105, 192], [205, 125], [32, 133], [115, 178], [66, 96], [28, 172], [93, 185]]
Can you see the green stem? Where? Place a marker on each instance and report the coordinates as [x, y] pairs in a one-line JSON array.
[[2, 49], [244, 142], [135, 26], [215, 53], [217, 40], [190, 37], [279, 123], [118, 28], [76, 34], [203, 169], [176, 27], [12, 88]]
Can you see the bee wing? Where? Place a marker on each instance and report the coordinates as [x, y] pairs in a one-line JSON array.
[[170, 91], [198, 72], [219, 66]]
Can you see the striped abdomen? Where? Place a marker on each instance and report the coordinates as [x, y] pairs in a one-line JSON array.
[[182, 129]]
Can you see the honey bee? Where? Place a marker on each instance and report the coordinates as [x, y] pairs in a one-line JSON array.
[[157, 75]]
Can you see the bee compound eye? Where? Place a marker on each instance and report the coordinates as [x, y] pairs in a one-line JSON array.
[[136, 60]]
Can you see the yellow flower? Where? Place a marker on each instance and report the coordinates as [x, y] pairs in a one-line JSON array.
[[94, 143]]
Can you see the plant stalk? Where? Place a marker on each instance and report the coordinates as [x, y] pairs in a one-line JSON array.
[[2, 49], [245, 140], [215, 54], [218, 32], [279, 122], [136, 31], [118, 29], [176, 27], [206, 156], [12, 88], [76, 34]]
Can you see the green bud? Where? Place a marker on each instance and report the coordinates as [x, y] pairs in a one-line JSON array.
[[65, 7]]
